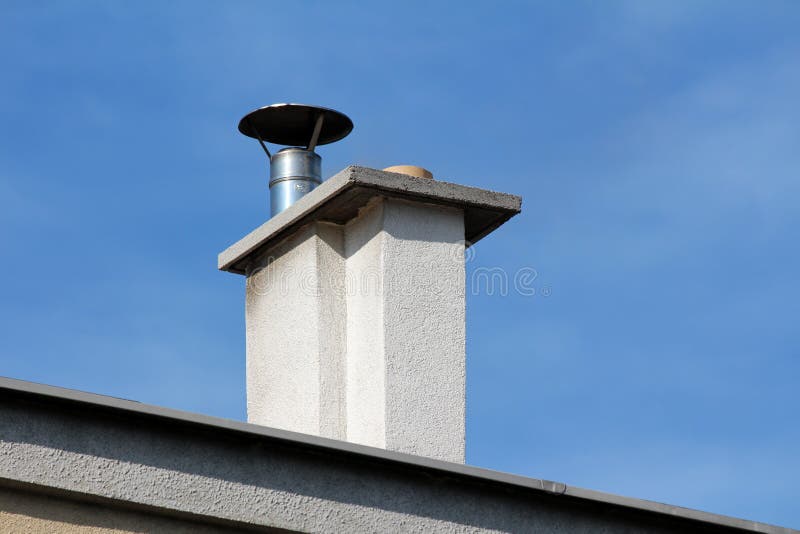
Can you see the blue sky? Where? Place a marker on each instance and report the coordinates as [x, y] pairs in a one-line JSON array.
[[655, 145]]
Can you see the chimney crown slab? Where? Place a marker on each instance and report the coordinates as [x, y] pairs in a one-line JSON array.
[[339, 198]]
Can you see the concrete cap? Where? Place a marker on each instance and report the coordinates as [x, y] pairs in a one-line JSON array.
[[339, 198]]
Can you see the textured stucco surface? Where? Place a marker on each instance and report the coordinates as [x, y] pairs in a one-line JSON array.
[[295, 327], [356, 331], [424, 330], [104, 449], [25, 512], [331, 293], [226, 472], [282, 317], [366, 377]]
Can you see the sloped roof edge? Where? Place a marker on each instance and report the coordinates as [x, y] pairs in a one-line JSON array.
[[126, 408]]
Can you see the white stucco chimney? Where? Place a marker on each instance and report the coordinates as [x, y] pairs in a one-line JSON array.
[[355, 305]]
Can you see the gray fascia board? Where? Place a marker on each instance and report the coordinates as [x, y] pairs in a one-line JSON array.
[[389, 459], [338, 199]]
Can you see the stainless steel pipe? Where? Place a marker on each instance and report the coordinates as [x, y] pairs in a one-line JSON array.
[[293, 172]]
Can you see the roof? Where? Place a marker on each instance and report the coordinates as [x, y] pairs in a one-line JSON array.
[[36, 417]]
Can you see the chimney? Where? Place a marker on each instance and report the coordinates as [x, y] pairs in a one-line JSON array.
[[355, 298]]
